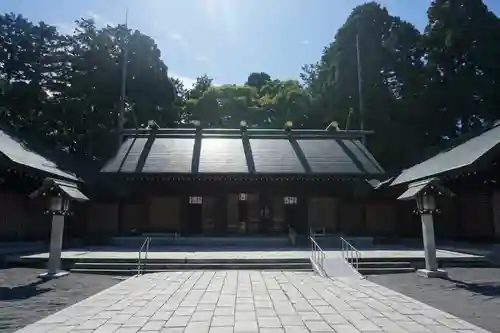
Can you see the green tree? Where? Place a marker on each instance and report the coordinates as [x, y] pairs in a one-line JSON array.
[[32, 61], [258, 80], [391, 63], [202, 84], [463, 52]]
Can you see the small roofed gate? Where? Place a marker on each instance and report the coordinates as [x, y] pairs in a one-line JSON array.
[[165, 214]]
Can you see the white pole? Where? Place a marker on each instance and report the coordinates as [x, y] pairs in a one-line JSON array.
[[121, 111], [360, 84]]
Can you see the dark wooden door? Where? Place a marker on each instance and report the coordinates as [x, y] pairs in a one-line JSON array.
[[266, 213], [195, 216], [296, 213], [164, 214]]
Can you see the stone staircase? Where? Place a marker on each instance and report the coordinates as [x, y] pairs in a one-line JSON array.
[[172, 242], [385, 267], [129, 267]]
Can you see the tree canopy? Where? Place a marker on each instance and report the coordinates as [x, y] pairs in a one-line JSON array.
[[419, 89]]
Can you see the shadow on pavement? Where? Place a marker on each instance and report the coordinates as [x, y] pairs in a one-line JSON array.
[[22, 292], [490, 289]]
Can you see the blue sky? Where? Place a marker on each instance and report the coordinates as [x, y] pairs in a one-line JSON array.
[[227, 39]]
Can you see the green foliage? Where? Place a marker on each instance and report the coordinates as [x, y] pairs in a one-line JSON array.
[[65, 90], [423, 88], [258, 80], [462, 43], [418, 89], [227, 105]]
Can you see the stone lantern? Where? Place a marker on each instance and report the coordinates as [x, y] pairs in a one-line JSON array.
[[60, 193], [424, 193]]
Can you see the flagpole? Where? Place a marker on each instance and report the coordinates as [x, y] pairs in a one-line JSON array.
[[360, 84], [121, 111]]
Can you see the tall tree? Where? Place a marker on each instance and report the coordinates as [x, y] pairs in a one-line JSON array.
[[91, 100], [258, 80], [463, 52], [202, 84], [390, 52], [32, 60]]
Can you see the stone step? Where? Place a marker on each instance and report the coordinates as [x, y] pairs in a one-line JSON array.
[[265, 260], [385, 270], [382, 264], [119, 272], [419, 262], [192, 266]]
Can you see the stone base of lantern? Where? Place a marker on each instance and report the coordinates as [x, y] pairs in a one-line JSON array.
[[440, 273], [50, 276]]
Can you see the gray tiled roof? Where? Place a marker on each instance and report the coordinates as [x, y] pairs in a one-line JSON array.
[[19, 153], [453, 159], [275, 156], [217, 152], [273, 152]]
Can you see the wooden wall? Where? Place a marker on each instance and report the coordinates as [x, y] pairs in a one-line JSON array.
[[473, 217], [22, 218]]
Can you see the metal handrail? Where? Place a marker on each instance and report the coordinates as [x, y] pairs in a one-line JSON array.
[[350, 254], [292, 234], [317, 254], [140, 269]]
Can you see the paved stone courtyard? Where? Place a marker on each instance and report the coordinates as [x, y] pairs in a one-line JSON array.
[[24, 298], [249, 301]]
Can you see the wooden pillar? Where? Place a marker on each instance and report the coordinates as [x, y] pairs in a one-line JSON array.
[[184, 215], [496, 213], [303, 222], [221, 215]]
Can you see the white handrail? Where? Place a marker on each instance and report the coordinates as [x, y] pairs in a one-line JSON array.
[[350, 254], [140, 269], [317, 254]]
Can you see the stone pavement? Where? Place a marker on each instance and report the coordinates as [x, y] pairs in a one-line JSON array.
[[472, 294], [249, 301], [25, 299]]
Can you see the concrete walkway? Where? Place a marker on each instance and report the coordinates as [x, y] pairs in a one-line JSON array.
[[249, 301]]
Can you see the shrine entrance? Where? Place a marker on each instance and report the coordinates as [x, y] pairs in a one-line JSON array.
[[255, 214], [194, 215]]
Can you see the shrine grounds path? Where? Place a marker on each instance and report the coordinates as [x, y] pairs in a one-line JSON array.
[[24, 299], [249, 301]]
